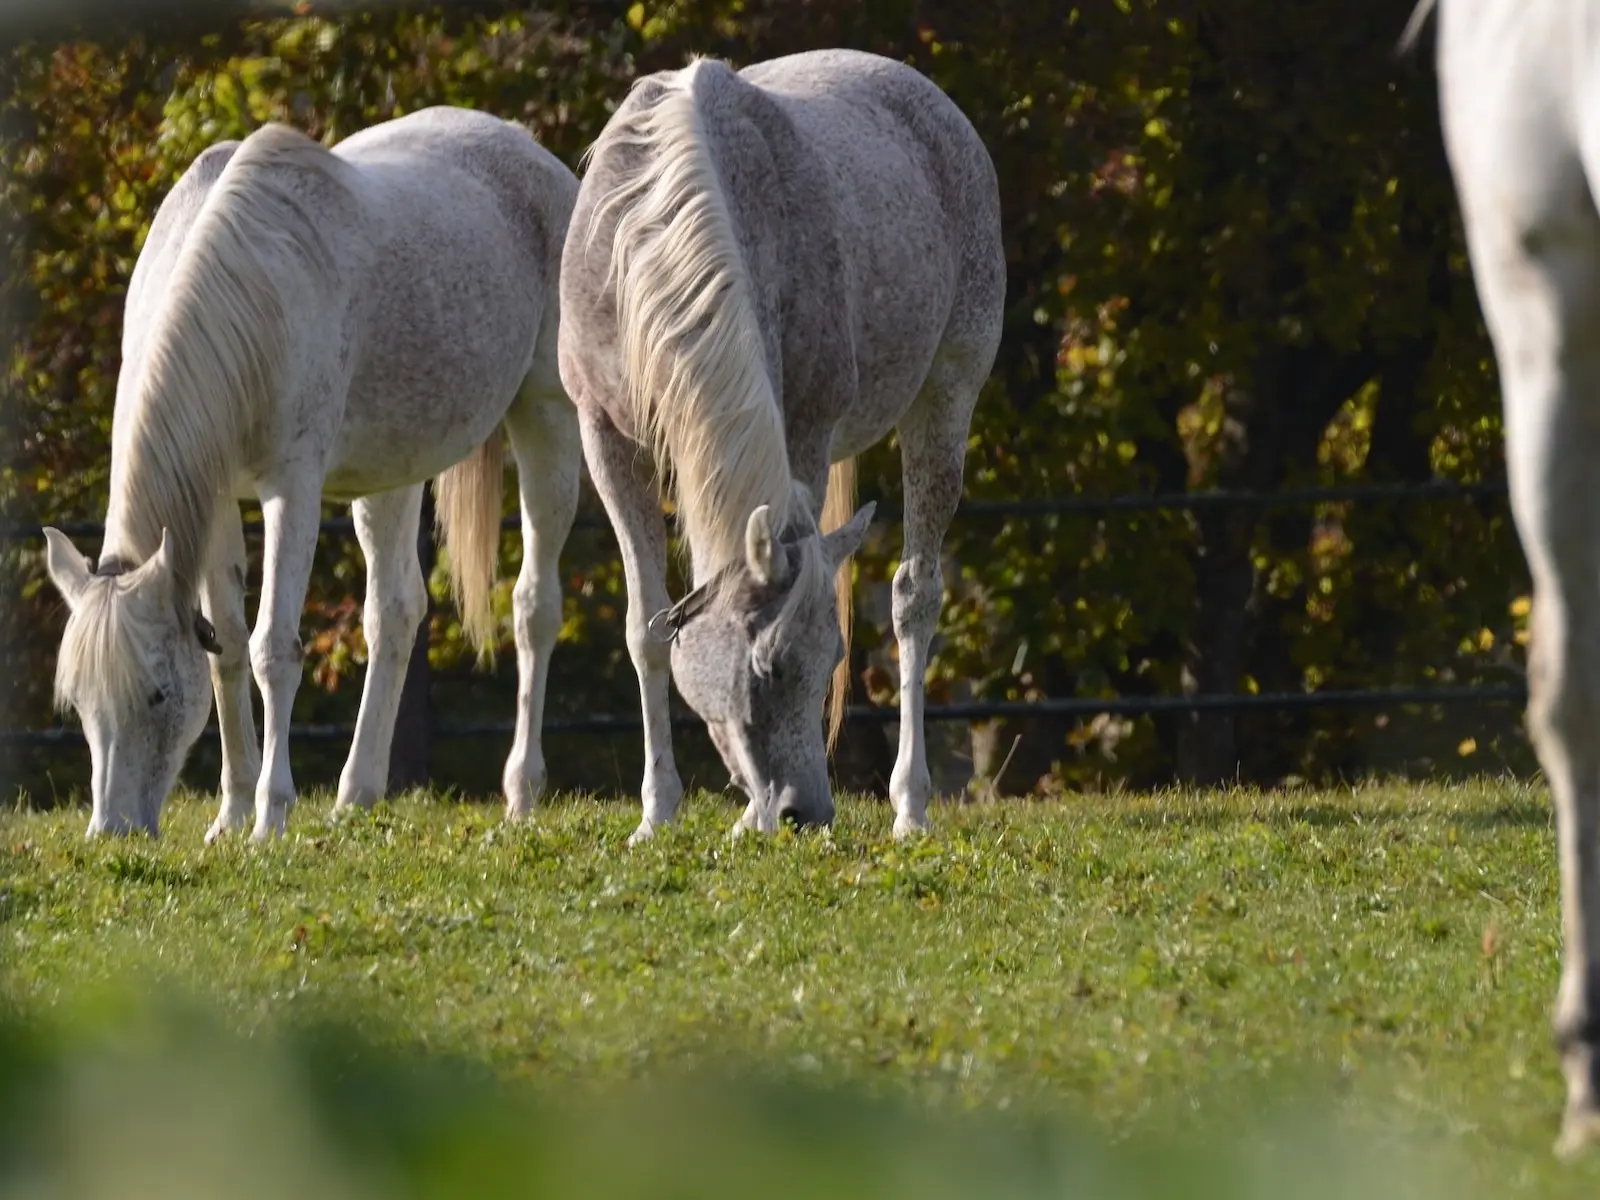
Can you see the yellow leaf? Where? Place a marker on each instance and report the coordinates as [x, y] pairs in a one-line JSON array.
[[1467, 746]]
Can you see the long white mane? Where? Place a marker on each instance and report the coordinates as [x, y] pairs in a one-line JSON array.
[[691, 343], [211, 363]]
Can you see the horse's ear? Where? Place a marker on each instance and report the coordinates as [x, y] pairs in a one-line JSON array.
[[69, 570], [158, 567], [163, 554], [767, 560], [846, 540]]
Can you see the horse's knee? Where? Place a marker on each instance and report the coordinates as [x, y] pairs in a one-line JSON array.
[[234, 638], [275, 660], [918, 591], [646, 650], [536, 603], [1563, 675], [393, 616]]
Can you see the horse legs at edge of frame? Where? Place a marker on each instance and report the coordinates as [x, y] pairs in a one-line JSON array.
[[1563, 711]]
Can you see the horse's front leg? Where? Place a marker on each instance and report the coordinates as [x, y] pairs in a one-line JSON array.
[[222, 601], [397, 600], [291, 512], [933, 443], [620, 469]]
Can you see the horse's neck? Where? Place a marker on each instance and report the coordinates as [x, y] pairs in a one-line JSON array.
[[143, 503], [173, 465]]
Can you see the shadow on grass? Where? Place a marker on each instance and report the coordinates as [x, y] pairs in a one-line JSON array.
[[1284, 813]]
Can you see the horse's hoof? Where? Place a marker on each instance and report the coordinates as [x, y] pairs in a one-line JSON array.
[[343, 814], [644, 833], [908, 826], [269, 829], [522, 789], [1580, 1129], [357, 798]]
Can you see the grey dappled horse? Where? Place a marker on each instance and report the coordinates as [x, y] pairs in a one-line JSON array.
[[306, 323], [767, 271], [1518, 82]]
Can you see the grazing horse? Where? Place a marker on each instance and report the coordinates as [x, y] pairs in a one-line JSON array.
[[307, 323], [1517, 82], [767, 271]]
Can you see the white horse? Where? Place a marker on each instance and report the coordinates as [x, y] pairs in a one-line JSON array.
[[302, 323], [766, 272], [1518, 82]]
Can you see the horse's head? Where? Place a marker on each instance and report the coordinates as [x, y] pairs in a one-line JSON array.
[[133, 664], [752, 653]]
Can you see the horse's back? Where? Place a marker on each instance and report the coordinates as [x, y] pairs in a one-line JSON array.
[[883, 125], [845, 98], [887, 173], [429, 154], [465, 215]]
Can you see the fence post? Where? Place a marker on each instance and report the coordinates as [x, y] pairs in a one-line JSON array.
[[413, 727]]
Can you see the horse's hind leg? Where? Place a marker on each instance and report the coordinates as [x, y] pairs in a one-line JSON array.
[[543, 427], [621, 471], [1534, 237], [397, 600], [1552, 396], [933, 445], [222, 601]]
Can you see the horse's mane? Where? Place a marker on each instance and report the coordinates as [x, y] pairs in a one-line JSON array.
[[693, 358], [212, 364]]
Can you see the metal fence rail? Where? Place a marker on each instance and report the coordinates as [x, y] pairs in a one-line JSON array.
[[1076, 706], [1082, 506], [979, 710]]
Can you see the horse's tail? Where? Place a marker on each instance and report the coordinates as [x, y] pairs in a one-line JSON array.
[[837, 508], [1413, 29], [467, 504]]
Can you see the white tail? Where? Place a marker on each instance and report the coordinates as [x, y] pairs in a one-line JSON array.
[[837, 508], [467, 501]]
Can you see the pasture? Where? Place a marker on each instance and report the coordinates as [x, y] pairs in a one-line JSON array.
[[1344, 990]]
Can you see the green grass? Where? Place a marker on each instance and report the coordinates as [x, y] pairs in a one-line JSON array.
[[1361, 975]]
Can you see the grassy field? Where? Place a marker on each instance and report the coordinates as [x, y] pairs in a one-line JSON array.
[[1346, 991]]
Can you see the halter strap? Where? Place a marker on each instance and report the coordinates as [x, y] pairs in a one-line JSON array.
[[665, 626]]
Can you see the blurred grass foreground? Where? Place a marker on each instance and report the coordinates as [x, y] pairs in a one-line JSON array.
[[1313, 993], [145, 1094]]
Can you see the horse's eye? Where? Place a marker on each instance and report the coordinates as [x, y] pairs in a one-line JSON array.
[[159, 696]]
